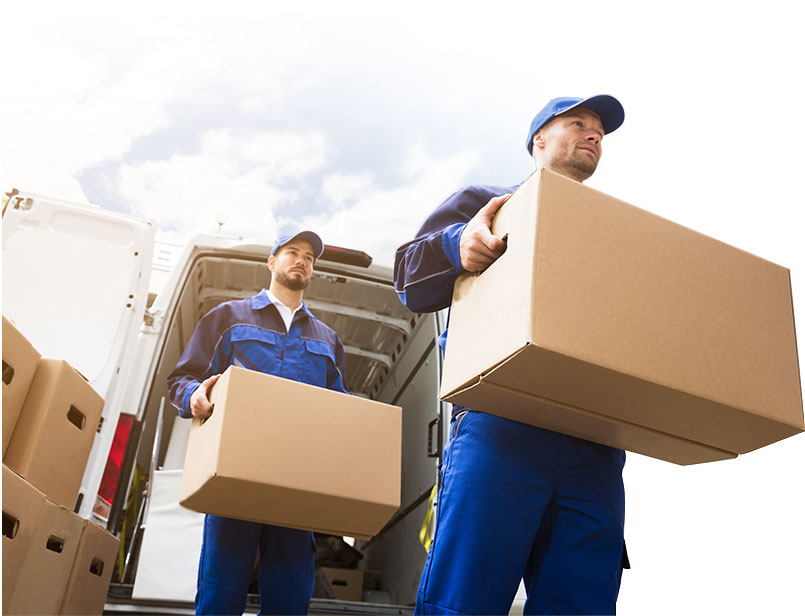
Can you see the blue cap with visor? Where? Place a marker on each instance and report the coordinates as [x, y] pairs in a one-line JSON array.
[[607, 107], [310, 237]]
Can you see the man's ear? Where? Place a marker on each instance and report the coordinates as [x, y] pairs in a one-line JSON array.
[[272, 262], [539, 141]]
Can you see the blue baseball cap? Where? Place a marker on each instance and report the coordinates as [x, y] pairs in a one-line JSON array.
[[607, 107], [310, 237]]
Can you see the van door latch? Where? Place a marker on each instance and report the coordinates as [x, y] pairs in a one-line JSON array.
[[436, 423]]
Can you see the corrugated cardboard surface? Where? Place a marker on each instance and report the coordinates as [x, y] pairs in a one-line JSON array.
[[47, 448], [685, 344], [346, 584], [43, 578], [22, 510], [19, 365], [91, 572], [286, 453]]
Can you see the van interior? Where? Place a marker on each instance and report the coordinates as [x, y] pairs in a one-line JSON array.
[[391, 357]]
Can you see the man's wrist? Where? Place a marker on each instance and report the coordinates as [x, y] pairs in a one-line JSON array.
[[451, 244], [187, 411]]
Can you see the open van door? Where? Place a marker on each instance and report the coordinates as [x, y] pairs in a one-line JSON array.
[[75, 282]]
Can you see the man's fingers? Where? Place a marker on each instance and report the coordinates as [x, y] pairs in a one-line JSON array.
[[478, 247], [493, 244], [488, 211], [210, 382], [200, 404]]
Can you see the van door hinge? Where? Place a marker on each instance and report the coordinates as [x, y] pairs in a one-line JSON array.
[[152, 318]]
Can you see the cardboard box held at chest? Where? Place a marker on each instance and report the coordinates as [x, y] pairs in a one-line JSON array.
[[609, 323], [280, 452]]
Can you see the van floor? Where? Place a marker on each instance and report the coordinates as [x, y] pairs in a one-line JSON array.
[[119, 601]]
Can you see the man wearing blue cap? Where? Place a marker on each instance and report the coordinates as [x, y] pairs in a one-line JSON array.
[[516, 501], [272, 332]]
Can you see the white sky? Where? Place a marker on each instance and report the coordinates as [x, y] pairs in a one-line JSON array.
[[357, 119]]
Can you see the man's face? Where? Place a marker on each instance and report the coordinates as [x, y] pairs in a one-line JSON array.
[[292, 265], [570, 143]]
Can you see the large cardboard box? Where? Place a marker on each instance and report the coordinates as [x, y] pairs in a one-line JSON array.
[[91, 572], [286, 453], [55, 430], [46, 568], [22, 510], [346, 584], [609, 323], [19, 365]]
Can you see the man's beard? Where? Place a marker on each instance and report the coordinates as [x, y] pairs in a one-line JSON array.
[[294, 284], [577, 166]]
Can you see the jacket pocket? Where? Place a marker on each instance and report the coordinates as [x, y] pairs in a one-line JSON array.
[[256, 349], [319, 359]]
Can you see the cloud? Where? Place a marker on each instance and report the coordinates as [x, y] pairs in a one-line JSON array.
[[243, 178], [84, 91], [378, 219]]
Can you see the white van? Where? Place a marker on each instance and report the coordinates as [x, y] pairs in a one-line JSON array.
[[76, 283]]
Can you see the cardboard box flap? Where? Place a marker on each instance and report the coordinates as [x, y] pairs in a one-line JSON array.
[[581, 423], [445, 394], [289, 507], [580, 385]]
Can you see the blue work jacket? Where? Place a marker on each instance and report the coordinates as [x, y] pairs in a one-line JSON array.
[[251, 333], [426, 268]]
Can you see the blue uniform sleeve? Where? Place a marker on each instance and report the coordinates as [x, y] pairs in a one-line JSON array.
[[207, 353], [426, 268], [336, 375]]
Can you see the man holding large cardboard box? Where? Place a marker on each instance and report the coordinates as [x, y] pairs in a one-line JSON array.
[[275, 333], [517, 501]]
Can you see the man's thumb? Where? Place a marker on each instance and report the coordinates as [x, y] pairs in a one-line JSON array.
[[490, 209]]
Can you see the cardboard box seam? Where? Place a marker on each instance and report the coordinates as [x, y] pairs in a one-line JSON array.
[[796, 345], [487, 373], [607, 417], [477, 379]]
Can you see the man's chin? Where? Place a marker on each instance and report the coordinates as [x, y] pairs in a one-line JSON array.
[[584, 167], [294, 283]]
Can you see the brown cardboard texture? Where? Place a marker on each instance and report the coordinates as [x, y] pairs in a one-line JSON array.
[[44, 573], [346, 584], [286, 453], [19, 364], [91, 572], [22, 509], [609, 323], [55, 430]]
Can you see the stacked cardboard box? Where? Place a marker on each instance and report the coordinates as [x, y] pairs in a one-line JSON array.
[[286, 453], [91, 572], [346, 584], [53, 437], [53, 560], [19, 365], [22, 509], [606, 322]]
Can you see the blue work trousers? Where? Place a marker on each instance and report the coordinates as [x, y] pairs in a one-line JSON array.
[[287, 563], [519, 501]]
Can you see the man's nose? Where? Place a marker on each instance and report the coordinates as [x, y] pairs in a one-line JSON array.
[[593, 137]]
